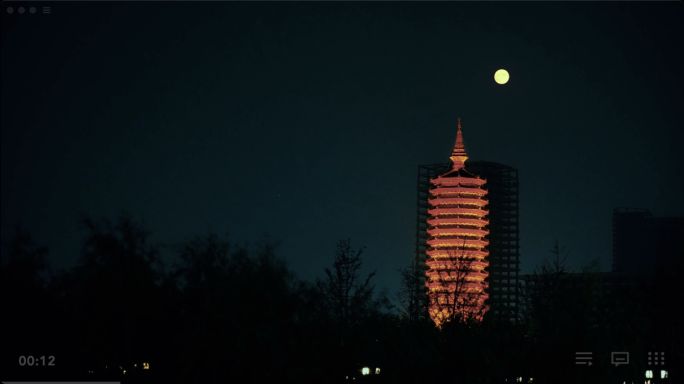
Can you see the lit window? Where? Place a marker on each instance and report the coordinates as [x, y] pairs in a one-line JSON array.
[[377, 371], [649, 374], [365, 371], [124, 371], [146, 365], [663, 375]]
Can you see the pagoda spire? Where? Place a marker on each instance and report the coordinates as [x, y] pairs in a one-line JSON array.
[[459, 156]]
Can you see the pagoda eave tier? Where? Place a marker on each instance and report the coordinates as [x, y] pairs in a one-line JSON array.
[[456, 221], [457, 181], [454, 252], [453, 190], [457, 211], [440, 287], [453, 231], [435, 261], [447, 274], [439, 242], [439, 283], [457, 200], [451, 269], [444, 264]]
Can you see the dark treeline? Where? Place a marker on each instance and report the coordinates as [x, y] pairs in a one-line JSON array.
[[226, 312]]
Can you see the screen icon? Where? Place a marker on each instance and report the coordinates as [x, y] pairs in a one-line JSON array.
[[618, 358], [583, 358], [655, 360]]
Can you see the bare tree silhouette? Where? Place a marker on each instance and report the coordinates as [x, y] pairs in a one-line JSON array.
[[412, 294], [347, 300]]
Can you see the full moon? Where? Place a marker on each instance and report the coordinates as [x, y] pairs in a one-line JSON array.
[[501, 76]]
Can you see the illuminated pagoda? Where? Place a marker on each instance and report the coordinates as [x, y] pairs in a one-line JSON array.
[[457, 227]]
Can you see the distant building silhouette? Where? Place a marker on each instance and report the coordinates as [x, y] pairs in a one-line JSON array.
[[642, 242], [641, 245], [636, 283], [502, 250]]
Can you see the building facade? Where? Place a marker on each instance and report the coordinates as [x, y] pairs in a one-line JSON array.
[[504, 235]]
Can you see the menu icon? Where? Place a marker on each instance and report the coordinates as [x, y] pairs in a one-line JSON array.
[[46, 9], [583, 358], [655, 360]]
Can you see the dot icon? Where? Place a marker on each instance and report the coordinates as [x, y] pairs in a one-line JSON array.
[[656, 361], [10, 10], [32, 9], [21, 9]]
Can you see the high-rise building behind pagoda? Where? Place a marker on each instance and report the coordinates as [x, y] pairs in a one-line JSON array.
[[504, 235], [456, 254]]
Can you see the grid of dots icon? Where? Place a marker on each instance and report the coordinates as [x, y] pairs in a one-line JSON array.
[[655, 361]]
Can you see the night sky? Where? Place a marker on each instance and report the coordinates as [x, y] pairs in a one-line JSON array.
[[308, 121]]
